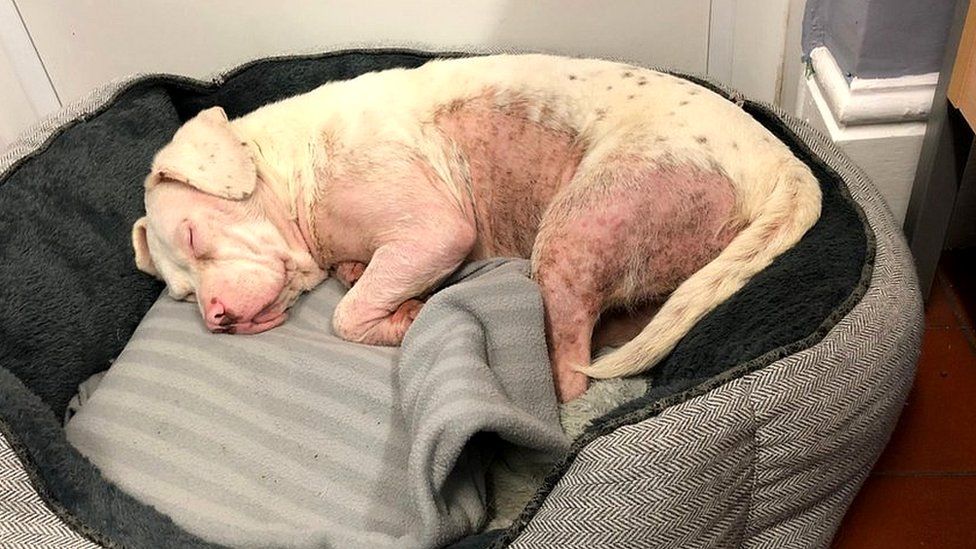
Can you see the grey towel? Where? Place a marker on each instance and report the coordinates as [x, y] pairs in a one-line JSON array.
[[295, 438]]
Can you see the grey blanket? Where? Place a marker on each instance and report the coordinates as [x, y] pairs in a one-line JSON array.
[[295, 438]]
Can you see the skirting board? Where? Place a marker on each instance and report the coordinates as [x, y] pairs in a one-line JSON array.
[[860, 101], [888, 153]]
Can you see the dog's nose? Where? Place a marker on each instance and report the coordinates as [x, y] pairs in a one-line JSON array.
[[216, 314]]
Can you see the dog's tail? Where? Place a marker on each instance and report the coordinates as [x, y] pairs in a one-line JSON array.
[[776, 223]]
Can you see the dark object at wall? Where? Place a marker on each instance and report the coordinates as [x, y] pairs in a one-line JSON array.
[[879, 38]]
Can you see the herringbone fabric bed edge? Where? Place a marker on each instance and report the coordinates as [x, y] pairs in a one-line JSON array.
[[25, 520]]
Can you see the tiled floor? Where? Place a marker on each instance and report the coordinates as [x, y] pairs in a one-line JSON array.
[[922, 492]]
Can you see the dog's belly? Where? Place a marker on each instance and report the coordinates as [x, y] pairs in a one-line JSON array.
[[515, 165]]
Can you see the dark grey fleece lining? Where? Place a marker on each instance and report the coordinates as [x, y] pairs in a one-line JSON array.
[[70, 296]]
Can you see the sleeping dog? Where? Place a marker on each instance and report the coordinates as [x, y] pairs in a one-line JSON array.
[[626, 187]]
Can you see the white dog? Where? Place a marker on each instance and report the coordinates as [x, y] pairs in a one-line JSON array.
[[626, 187]]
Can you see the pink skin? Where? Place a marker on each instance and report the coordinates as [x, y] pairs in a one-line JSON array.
[[631, 248], [407, 233], [663, 223], [393, 240], [654, 226]]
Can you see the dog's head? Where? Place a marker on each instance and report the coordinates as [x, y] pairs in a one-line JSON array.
[[217, 233]]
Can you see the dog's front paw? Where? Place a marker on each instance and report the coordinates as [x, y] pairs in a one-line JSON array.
[[388, 330]]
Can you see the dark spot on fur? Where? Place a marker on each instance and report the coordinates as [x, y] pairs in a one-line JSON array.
[[609, 88], [683, 103], [627, 74], [671, 113], [572, 77], [660, 139], [693, 92], [735, 145], [243, 143], [202, 168], [631, 96], [213, 300], [642, 82], [701, 139]]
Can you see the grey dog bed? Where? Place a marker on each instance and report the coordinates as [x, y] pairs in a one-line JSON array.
[[756, 431]]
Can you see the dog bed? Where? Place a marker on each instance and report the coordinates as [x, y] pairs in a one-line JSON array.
[[756, 431]]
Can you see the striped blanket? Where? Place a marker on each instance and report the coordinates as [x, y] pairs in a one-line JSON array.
[[294, 438]]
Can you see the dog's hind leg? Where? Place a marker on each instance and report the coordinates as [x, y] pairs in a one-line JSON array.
[[571, 310], [620, 236]]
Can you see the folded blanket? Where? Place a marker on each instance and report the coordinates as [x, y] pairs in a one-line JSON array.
[[294, 438]]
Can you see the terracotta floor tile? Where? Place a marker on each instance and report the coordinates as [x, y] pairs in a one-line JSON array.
[[939, 311], [922, 492], [895, 512], [937, 430]]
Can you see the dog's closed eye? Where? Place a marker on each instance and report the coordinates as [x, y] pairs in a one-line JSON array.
[[189, 240], [193, 241]]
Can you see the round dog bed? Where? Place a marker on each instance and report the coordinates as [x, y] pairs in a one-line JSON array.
[[757, 431]]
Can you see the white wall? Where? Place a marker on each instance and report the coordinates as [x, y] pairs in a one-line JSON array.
[[86, 42], [75, 46]]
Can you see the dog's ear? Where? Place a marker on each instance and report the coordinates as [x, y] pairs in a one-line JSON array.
[[140, 245], [206, 153]]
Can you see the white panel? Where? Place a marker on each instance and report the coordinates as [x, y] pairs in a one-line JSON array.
[[86, 42], [15, 110], [793, 66], [759, 38], [25, 92], [721, 35]]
